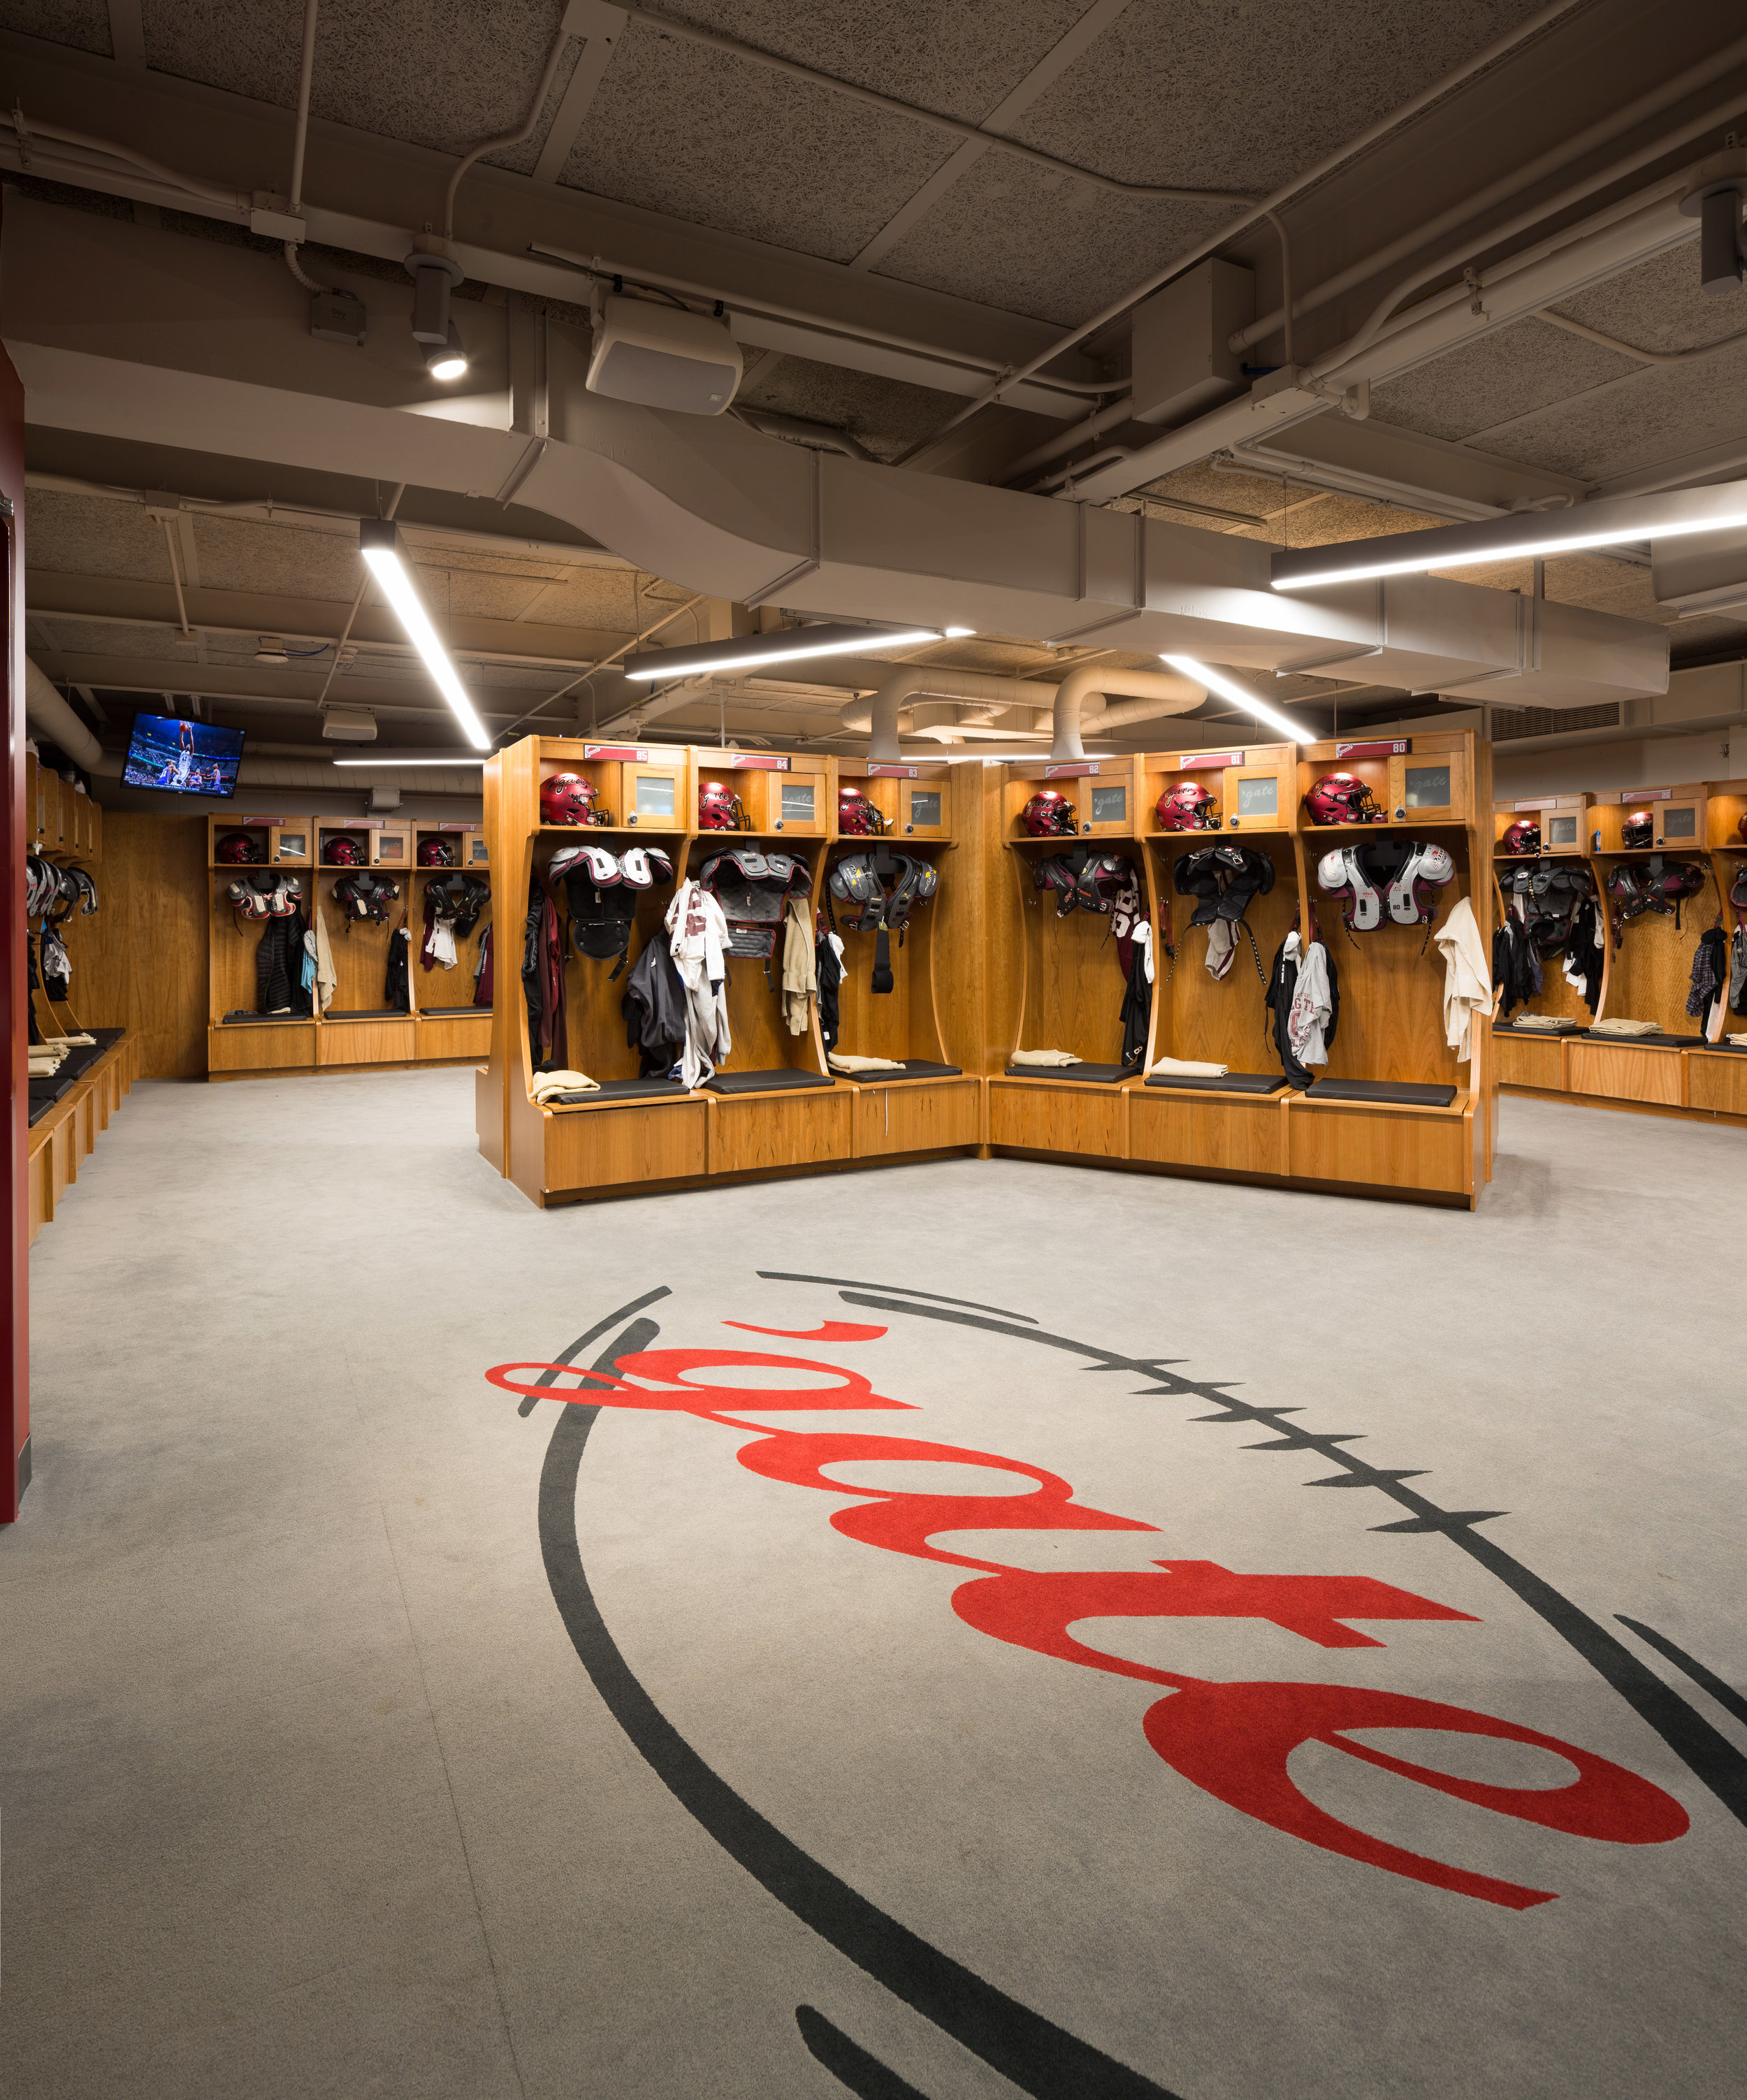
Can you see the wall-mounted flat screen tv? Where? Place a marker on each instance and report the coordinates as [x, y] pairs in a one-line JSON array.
[[182, 757]]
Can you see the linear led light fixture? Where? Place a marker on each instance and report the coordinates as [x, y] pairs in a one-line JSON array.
[[416, 758], [1615, 520], [788, 646], [1228, 689], [379, 542]]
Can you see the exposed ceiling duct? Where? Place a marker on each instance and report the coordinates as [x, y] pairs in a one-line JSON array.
[[51, 717], [109, 340]]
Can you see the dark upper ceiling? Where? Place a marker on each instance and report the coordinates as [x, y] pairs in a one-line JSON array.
[[715, 166]]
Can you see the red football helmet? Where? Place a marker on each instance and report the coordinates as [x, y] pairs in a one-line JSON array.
[[857, 816], [1047, 814], [1638, 829], [1742, 826], [1522, 838], [241, 849], [719, 809], [344, 850], [1188, 808], [435, 853], [566, 798], [1342, 798]]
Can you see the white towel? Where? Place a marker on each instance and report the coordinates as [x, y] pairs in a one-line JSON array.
[[1190, 1068], [1222, 944], [1624, 1028], [549, 1084], [1051, 1057], [1467, 978], [841, 1061]]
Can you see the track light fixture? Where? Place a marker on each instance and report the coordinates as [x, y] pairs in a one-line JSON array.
[[379, 543], [1228, 689], [447, 359], [786, 646]]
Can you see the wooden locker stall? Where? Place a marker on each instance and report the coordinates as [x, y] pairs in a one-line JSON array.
[[1649, 957], [450, 1025], [932, 1104], [1236, 1124], [775, 1107], [632, 1132], [1530, 1059], [240, 1041], [1069, 983], [1717, 1073], [1392, 1107]]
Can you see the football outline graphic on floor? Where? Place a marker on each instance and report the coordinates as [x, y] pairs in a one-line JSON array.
[[1231, 1739]]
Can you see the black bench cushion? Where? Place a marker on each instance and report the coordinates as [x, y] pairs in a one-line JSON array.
[[1234, 1082], [366, 1013], [1409, 1093], [913, 1067], [450, 1013], [759, 1083], [1104, 1074], [1728, 1049], [1661, 1040], [240, 1020], [622, 1090]]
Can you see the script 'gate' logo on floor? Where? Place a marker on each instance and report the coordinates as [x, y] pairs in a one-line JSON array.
[[1233, 1739]]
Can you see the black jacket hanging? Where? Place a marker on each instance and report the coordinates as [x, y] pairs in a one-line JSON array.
[[279, 967], [828, 971], [1282, 982], [1137, 1008], [654, 1007], [396, 987]]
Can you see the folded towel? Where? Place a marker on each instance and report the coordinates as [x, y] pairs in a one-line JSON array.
[[546, 1084], [841, 1061], [1190, 1068], [1043, 1057], [1739, 1041], [1625, 1028], [1533, 1020], [63, 1043]]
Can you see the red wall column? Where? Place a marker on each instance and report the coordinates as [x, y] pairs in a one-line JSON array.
[[15, 1223]]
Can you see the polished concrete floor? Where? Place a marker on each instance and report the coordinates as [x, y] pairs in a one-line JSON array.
[[370, 1728]]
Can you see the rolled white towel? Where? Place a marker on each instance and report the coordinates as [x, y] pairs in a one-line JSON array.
[[546, 1084], [1190, 1068], [1049, 1058], [843, 1061]]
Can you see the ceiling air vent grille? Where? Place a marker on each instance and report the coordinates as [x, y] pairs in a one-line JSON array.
[[1510, 724]]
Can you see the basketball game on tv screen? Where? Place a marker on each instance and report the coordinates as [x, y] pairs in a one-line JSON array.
[[182, 757]]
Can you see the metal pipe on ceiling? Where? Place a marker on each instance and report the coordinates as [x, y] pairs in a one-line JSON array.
[[47, 712], [1401, 115], [1332, 361], [1564, 155]]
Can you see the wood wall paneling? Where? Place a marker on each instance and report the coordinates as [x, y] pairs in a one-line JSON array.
[[139, 962]]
